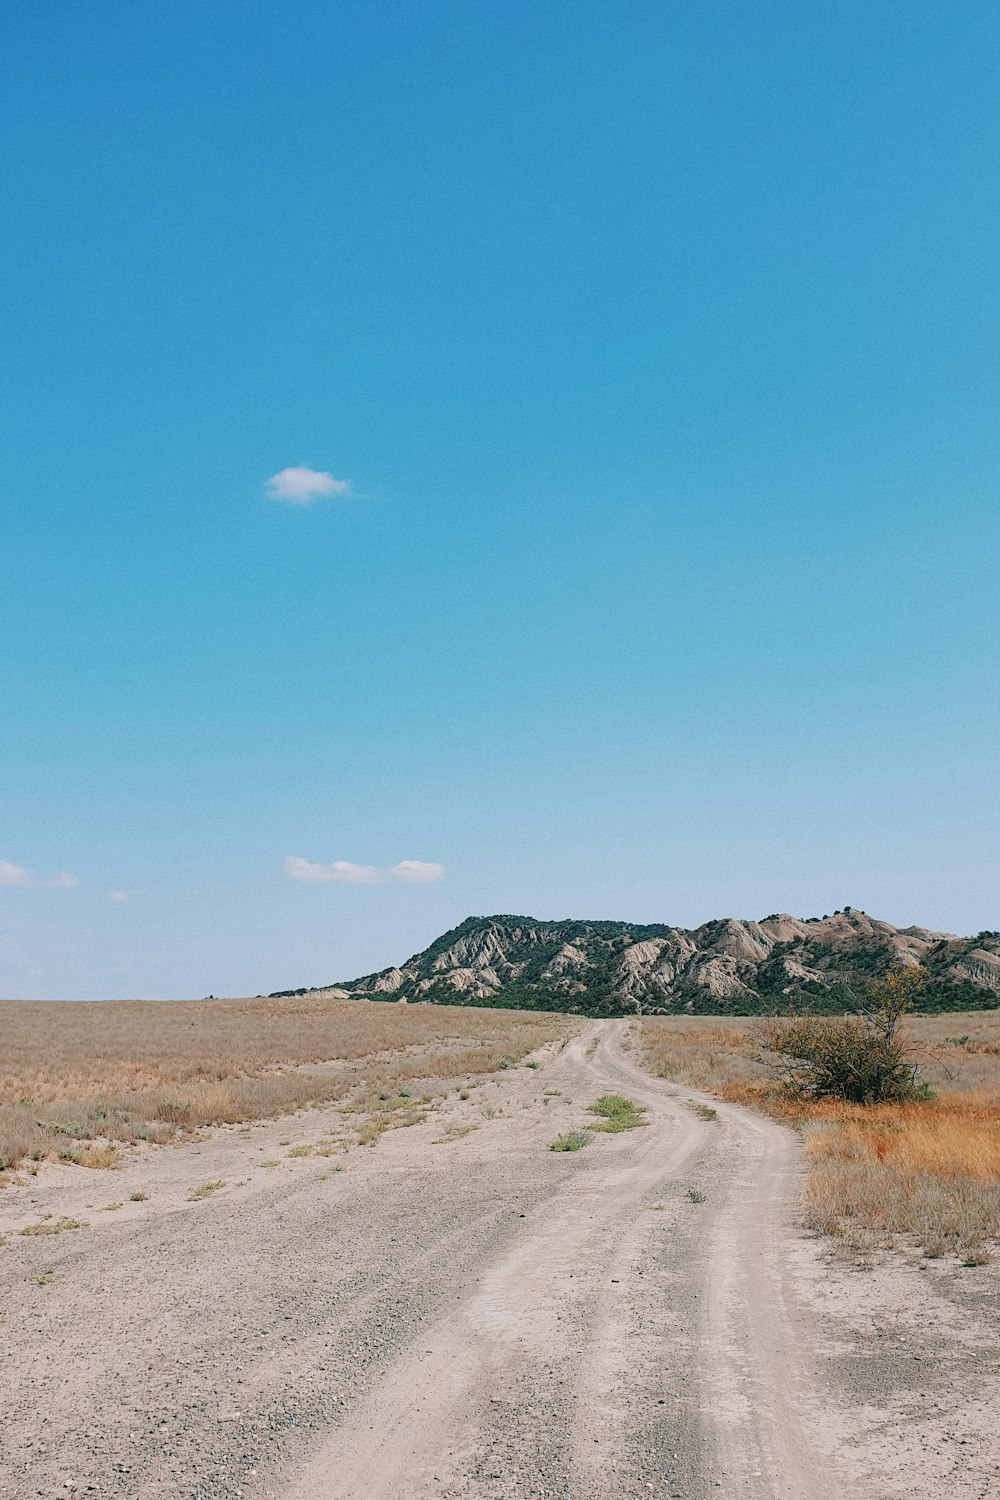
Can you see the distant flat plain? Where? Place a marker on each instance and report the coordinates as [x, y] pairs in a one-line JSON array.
[[78, 1079]]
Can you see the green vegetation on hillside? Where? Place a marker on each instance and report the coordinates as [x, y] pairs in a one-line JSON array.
[[606, 968]]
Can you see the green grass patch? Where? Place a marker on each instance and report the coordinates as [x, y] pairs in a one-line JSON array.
[[617, 1113], [573, 1140]]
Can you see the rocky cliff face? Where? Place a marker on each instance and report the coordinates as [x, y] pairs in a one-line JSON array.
[[603, 968]]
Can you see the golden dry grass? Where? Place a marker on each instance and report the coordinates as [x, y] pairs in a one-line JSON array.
[[77, 1078], [930, 1171]]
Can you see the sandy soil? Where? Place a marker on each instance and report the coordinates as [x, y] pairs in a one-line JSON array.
[[473, 1315]]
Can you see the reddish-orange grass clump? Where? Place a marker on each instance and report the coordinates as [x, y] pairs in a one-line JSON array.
[[957, 1135]]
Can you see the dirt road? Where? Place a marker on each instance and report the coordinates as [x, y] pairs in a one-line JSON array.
[[461, 1312], [628, 1338]]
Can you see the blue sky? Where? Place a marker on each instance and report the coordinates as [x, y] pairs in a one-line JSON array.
[[657, 346]]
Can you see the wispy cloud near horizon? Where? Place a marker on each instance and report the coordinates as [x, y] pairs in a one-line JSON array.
[[300, 485], [338, 870], [17, 875], [419, 871], [416, 871]]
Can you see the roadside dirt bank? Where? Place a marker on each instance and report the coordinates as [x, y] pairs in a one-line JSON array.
[[469, 1314]]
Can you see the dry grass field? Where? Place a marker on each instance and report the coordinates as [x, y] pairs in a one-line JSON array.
[[928, 1171], [77, 1080]]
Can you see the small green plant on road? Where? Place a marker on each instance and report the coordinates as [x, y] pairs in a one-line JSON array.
[[55, 1227], [206, 1190], [617, 1114], [573, 1140]]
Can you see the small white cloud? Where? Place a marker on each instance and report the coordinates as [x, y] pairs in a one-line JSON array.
[[417, 870], [119, 896], [17, 875], [340, 869], [302, 486]]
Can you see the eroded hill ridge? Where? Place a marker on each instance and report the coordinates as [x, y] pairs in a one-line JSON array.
[[727, 965]]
